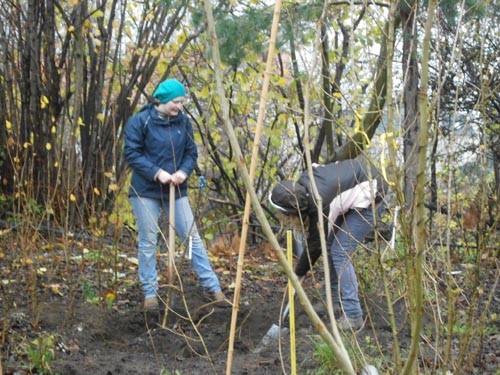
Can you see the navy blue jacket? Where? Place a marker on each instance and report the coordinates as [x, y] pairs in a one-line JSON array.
[[153, 143]]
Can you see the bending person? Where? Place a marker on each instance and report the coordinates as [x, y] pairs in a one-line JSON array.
[[352, 192]]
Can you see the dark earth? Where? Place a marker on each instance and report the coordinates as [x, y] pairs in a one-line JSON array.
[[97, 329]]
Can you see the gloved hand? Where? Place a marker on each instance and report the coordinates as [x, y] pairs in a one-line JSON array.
[[164, 177], [178, 178]]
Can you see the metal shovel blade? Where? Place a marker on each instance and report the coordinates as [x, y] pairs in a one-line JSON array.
[[271, 337], [273, 334]]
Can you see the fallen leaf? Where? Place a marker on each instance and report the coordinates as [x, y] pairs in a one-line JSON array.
[[5, 231], [133, 261], [73, 345], [55, 289]]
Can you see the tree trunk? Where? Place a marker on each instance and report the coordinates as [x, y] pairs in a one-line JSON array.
[[410, 98], [373, 115]]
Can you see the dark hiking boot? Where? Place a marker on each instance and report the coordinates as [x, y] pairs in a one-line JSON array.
[[218, 298], [345, 323], [151, 304]]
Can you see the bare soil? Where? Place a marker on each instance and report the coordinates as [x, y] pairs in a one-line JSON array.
[[109, 333]]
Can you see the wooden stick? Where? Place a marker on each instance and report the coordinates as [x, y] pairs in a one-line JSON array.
[[291, 296], [334, 342], [255, 154]]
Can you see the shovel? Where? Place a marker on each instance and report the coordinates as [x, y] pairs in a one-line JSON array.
[[274, 333], [171, 253]]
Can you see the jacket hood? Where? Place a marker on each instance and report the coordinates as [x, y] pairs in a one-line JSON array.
[[146, 107], [289, 197], [151, 110]]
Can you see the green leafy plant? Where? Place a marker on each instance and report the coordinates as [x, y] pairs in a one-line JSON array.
[[324, 356], [328, 365], [168, 372], [41, 353], [89, 292]]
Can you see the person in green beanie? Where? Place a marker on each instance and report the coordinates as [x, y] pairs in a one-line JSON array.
[[160, 149]]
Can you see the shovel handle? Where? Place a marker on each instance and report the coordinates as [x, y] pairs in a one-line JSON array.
[[171, 253], [171, 234]]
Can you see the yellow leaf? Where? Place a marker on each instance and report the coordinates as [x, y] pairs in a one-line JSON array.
[[53, 130], [133, 260], [99, 14], [358, 127], [71, 29], [8, 124], [282, 81], [337, 95], [113, 187], [44, 101], [48, 146], [100, 117], [96, 191], [181, 38], [26, 145], [72, 198], [204, 93], [110, 296]]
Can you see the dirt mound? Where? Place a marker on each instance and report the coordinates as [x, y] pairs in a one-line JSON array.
[[126, 340]]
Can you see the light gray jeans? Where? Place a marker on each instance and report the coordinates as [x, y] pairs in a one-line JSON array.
[[351, 229], [147, 212]]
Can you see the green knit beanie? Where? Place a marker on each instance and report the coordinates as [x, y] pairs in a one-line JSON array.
[[169, 90]]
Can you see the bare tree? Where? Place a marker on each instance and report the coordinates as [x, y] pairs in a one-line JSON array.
[[80, 74]]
